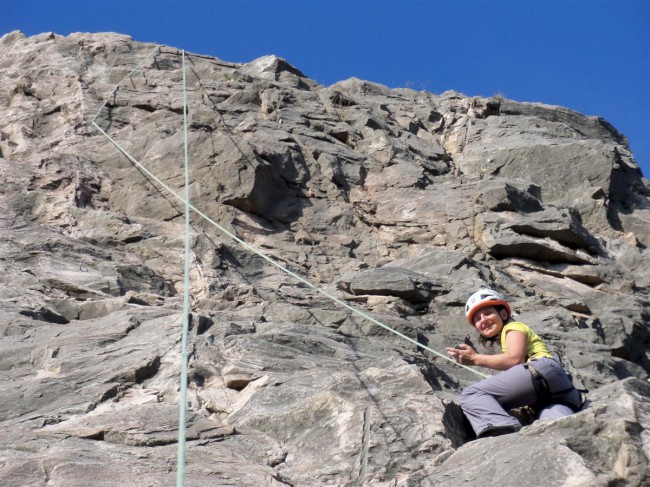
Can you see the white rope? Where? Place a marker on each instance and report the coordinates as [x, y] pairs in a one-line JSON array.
[[122, 81], [182, 400], [271, 261], [281, 267]]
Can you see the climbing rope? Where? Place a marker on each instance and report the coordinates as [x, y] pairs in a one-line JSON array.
[[180, 473], [271, 261], [182, 401], [124, 79], [280, 266]]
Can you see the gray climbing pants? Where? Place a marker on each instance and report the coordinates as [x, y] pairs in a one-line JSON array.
[[486, 403]]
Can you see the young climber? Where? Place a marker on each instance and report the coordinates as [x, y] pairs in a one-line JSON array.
[[530, 377]]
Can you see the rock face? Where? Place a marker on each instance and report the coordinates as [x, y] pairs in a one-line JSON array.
[[397, 202]]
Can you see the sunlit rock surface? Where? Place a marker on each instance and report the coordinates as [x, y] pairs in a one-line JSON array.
[[397, 202]]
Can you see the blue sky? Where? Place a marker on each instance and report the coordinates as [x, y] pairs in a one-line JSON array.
[[592, 56]]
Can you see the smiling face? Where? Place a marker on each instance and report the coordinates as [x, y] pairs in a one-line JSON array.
[[489, 321]]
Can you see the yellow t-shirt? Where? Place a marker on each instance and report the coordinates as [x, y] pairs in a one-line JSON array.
[[535, 347]]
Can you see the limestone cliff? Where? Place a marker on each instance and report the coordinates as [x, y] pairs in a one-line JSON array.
[[398, 202]]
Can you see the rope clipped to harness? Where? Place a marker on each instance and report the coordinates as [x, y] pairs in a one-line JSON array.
[[546, 397]]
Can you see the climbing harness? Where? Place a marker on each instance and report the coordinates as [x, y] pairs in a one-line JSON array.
[[544, 394], [557, 356]]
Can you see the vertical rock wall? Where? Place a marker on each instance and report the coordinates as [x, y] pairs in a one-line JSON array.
[[398, 202]]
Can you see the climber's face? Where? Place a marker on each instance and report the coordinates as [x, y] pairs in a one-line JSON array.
[[488, 321]]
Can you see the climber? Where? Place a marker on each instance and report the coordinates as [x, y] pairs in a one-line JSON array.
[[530, 377]]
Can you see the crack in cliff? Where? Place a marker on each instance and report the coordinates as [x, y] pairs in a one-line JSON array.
[[365, 447]]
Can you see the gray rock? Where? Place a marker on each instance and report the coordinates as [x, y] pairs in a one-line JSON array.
[[602, 445], [397, 203]]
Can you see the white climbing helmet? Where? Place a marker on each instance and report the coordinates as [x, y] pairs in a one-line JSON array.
[[484, 297]]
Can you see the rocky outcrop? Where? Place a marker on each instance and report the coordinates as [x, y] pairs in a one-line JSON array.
[[594, 447], [397, 202]]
